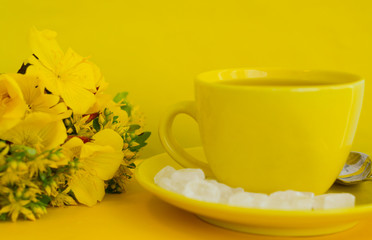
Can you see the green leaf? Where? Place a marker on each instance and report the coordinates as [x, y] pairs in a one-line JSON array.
[[115, 119], [128, 109], [141, 138], [138, 147], [31, 152], [44, 199], [120, 96], [3, 167], [42, 176], [96, 125], [133, 128], [3, 217], [131, 166]]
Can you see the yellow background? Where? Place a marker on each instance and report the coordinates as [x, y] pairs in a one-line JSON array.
[[153, 49]]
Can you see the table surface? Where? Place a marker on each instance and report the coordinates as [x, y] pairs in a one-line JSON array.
[[137, 214]]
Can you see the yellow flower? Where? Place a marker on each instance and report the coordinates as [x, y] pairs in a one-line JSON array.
[[11, 176], [68, 74], [47, 159], [102, 99], [38, 130], [99, 160], [16, 207], [37, 100], [12, 105], [62, 199]]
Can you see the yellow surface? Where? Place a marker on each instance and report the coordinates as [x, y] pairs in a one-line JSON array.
[[271, 137], [260, 221], [155, 48]]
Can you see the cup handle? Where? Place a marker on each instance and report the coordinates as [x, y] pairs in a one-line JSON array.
[[169, 142]]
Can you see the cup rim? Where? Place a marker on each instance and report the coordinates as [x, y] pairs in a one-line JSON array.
[[211, 78]]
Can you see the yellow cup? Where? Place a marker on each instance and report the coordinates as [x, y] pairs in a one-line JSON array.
[[271, 130]]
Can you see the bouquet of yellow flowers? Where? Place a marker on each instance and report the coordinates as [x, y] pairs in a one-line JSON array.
[[63, 141]]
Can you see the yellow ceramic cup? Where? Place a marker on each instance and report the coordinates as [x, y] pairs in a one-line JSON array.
[[271, 130]]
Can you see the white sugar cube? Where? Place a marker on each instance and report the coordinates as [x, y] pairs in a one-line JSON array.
[[202, 190], [188, 174], [166, 172], [290, 200], [334, 200], [246, 199], [191, 183], [167, 184], [237, 190], [225, 190], [183, 176], [289, 194]]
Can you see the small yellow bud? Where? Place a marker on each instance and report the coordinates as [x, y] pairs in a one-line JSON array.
[[125, 145], [129, 155], [22, 166], [134, 144], [19, 193], [101, 119], [60, 155], [27, 194], [106, 112], [38, 211], [128, 139], [48, 190], [13, 165], [54, 157], [70, 130], [53, 184], [2, 144], [5, 150], [68, 122]]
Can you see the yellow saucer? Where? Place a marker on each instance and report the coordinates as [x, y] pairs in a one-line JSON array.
[[260, 221]]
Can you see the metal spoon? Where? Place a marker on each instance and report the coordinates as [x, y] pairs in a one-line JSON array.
[[356, 169]]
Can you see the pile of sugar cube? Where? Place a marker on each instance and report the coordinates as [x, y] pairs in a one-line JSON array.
[[192, 183]]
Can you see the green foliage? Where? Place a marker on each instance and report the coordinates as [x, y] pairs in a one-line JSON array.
[[141, 140], [3, 217], [31, 179], [45, 199], [121, 98], [96, 125], [133, 128]]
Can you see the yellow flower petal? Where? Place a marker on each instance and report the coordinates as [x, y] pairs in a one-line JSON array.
[[108, 137], [102, 101], [37, 100], [78, 99], [78, 70], [28, 214], [45, 47], [38, 130], [88, 189], [68, 74], [12, 105], [47, 76], [104, 163], [72, 148], [103, 156]]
